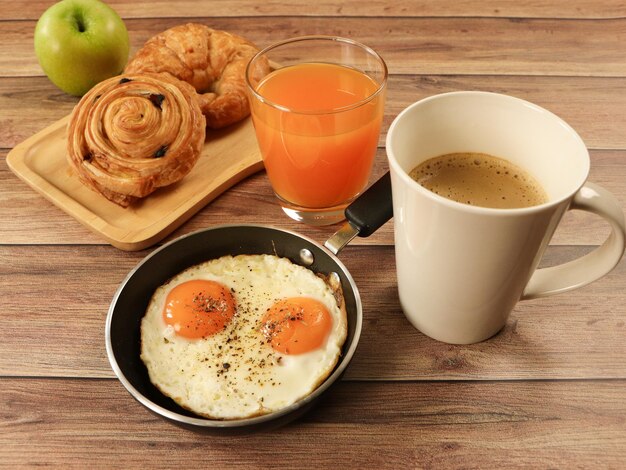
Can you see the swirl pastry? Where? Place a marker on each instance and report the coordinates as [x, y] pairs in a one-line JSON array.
[[132, 134], [212, 61]]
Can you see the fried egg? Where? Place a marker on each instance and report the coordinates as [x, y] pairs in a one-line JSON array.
[[242, 336]]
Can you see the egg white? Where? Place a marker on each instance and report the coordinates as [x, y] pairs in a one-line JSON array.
[[236, 373]]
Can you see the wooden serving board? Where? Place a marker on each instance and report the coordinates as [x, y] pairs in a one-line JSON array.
[[229, 156]]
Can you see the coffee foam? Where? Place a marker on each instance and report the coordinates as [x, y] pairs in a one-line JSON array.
[[479, 179]]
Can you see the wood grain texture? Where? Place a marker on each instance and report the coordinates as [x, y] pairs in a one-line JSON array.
[[594, 106], [376, 8], [226, 158], [29, 219], [576, 335], [547, 392], [357, 425], [475, 46]]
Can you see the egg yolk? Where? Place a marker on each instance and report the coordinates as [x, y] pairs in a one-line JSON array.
[[198, 308], [296, 325]]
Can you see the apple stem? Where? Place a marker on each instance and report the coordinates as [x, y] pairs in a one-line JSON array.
[[80, 23]]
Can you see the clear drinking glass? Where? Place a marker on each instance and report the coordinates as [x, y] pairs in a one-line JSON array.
[[317, 118]]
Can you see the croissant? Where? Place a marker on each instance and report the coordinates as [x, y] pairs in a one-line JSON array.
[[212, 61], [132, 134]]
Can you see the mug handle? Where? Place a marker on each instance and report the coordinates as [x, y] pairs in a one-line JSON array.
[[579, 272]]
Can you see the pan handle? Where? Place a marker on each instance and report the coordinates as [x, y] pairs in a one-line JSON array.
[[365, 215]]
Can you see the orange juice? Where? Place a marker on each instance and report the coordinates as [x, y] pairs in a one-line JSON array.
[[317, 135]]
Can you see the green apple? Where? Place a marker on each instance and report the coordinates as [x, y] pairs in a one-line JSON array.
[[80, 43]]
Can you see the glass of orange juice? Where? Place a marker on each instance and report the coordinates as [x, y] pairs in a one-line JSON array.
[[317, 117]]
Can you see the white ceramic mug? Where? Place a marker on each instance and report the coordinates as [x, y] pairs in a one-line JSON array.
[[461, 269]]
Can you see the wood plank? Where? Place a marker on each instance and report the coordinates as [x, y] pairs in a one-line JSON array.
[[30, 219], [357, 425], [594, 106], [546, 392], [420, 8], [476, 46], [55, 301]]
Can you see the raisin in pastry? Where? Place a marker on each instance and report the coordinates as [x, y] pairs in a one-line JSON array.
[[132, 134]]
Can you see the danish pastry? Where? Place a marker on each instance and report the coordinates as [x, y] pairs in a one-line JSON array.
[[132, 134], [212, 61]]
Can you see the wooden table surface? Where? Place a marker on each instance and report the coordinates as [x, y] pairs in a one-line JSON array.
[[549, 391]]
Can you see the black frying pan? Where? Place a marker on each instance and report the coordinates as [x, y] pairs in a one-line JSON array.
[[365, 215]]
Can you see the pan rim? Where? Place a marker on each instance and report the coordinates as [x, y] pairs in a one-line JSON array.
[[199, 421]]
